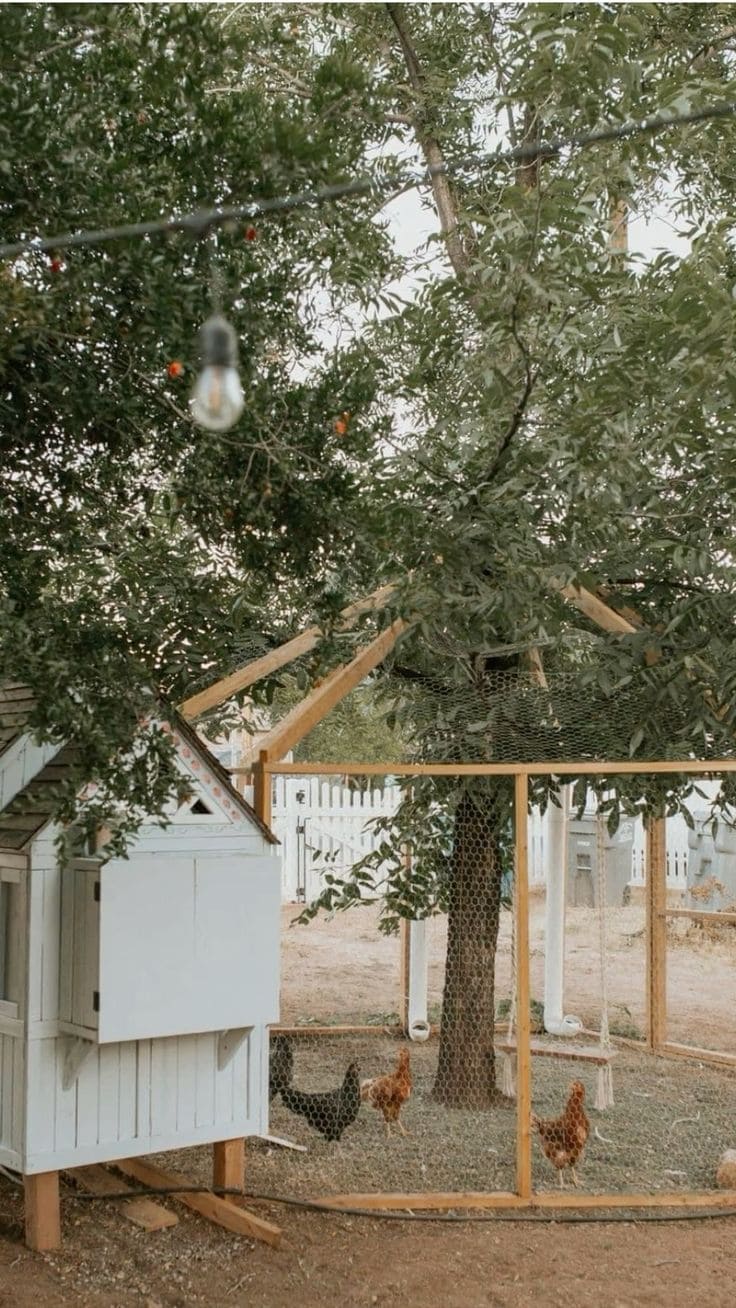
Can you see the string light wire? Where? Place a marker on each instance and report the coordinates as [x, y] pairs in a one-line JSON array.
[[204, 221]]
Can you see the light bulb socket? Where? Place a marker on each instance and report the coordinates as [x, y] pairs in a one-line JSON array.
[[218, 344]]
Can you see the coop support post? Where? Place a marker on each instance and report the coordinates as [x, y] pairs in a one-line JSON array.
[[42, 1211], [656, 932], [228, 1164], [262, 788], [523, 1051]]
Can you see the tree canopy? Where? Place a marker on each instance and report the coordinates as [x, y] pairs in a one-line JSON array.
[[526, 406]]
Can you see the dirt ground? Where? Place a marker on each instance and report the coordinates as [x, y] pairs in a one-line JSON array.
[[364, 1263], [343, 970]]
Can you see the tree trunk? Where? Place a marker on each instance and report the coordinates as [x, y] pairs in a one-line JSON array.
[[466, 1072]]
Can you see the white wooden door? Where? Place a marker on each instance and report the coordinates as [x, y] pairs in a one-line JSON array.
[[187, 944]]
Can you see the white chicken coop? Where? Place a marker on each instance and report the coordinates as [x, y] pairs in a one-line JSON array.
[[135, 994]]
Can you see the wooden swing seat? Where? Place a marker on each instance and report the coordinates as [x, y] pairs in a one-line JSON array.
[[576, 1053]]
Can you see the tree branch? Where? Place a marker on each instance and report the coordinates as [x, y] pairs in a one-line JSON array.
[[457, 248]]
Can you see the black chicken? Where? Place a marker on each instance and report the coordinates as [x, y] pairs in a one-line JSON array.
[[280, 1065], [329, 1113]]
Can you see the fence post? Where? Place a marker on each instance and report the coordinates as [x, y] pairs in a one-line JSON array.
[[656, 932], [262, 789], [523, 996]]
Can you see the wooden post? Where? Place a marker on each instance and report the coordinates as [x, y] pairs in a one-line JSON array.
[[42, 1212], [656, 932], [523, 996], [262, 788], [228, 1164]]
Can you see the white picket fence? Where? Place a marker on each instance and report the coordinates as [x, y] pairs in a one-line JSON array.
[[324, 826]]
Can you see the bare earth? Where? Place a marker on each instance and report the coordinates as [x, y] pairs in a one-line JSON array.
[[342, 970]]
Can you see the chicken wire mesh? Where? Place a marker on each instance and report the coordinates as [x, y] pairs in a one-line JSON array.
[[612, 1114]]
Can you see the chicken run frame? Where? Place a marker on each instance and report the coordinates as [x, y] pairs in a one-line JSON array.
[[264, 761], [524, 1194]]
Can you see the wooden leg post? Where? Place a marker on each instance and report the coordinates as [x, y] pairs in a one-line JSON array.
[[523, 1054], [42, 1214], [656, 933], [228, 1165]]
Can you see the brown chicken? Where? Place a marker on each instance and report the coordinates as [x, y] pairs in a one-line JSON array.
[[564, 1138], [389, 1093]]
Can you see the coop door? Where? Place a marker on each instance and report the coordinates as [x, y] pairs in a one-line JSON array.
[[80, 922], [187, 944]]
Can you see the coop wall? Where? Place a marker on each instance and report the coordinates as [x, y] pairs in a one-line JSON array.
[[131, 1098]]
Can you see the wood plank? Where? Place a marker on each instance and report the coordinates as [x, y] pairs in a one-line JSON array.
[[553, 767], [701, 915], [425, 1200], [259, 668], [304, 716], [221, 1211], [523, 988], [447, 1200], [150, 1216], [42, 1211], [674, 1050], [228, 1164], [676, 1199], [656, 932], [576, 1053]]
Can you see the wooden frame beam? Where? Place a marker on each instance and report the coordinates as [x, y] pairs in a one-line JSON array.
[[597, 610], [546, 1199], [304, 716], [257, 669], [656, 931], [555, 767]]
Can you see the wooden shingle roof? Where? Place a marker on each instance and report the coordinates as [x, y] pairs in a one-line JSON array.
[[33, 807], [16, 706]]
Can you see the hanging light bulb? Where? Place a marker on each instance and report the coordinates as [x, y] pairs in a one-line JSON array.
[[217, 399]]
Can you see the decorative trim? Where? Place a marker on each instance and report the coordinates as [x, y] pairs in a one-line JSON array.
[[228, 1044], [75, 1056]]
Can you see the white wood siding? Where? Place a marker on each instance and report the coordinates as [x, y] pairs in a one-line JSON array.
[[11, 1100], [140, 1097]]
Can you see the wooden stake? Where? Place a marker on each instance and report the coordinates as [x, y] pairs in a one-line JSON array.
[[221, 1211], [523, 995], [42, 1211], [656, 932], [228, 1164]]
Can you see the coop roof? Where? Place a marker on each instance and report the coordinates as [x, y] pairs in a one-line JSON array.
[[16, 706], [31, 808]]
